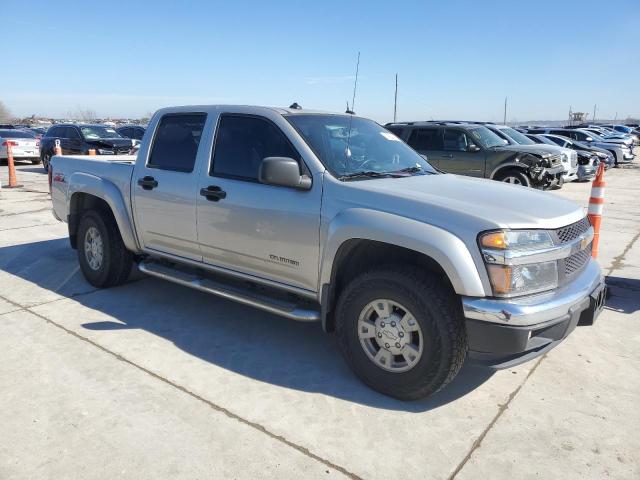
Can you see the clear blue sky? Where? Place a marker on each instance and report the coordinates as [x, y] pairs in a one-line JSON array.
[[455, 59]]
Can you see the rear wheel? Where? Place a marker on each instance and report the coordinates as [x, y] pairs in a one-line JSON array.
[[46, 160], [514, 176], [401, 332], [35, 161], [104, 259]]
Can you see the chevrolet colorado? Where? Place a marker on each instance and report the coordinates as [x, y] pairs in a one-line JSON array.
[[331, 218]]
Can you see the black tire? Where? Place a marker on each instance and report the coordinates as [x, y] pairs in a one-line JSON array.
[[558, 185], [513, 176], [46, 159], [116, 261], [35, 161], [436, 311]]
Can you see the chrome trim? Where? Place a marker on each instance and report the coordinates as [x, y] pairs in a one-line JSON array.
[[289, 311], [535, 309], [511, 257]]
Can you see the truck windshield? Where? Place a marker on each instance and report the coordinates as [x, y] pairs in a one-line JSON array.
[[94, 132], [357, 148], [517, 137], [486, 137]]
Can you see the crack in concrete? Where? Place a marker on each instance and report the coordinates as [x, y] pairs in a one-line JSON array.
[[29, 226], [228, 413], [502, 408], [13, 214], [618, 260]]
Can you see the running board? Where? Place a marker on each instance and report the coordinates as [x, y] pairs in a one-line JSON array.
[[245, 296]]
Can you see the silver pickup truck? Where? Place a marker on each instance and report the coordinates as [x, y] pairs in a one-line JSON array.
[[331, 218]]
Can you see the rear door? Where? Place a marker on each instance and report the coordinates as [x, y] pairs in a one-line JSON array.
[[428, 142], [264, 230], [164, 186], [456, 158]]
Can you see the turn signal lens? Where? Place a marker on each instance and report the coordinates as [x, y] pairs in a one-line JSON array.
[[494, 240], [500, 277]]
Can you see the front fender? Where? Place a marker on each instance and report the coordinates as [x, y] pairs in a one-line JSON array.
[[104, 189], [446, 249], [511, 164]]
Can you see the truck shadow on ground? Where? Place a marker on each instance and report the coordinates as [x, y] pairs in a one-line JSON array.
[[240, 339], [623, 294]]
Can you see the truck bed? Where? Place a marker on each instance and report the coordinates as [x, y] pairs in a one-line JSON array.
[[81, 169]]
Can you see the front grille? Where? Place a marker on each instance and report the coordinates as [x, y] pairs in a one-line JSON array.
[[577, 261], [573, 231], [574, 160], [555, 160]]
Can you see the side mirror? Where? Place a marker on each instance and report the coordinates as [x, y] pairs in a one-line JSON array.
[[284, 172], [473, 148]]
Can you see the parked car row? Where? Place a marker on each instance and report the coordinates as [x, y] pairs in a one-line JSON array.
[[539, 157], [24, 145], [78, 139]]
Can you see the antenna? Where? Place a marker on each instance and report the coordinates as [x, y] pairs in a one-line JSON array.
[[395, 101], [355, 85], [504, 120]]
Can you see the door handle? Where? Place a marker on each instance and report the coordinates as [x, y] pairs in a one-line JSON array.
[[213, 193], [147, 182]]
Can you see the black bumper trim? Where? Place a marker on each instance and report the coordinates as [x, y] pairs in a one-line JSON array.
[[503, 346]]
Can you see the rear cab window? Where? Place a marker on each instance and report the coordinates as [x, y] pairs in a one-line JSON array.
[[176, 142]]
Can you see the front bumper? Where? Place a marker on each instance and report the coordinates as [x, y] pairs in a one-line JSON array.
[[502, 333]]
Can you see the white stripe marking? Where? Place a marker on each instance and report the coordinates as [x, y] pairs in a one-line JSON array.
[[597, 192]]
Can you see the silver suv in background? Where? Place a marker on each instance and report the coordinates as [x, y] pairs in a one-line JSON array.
[[620, 151]]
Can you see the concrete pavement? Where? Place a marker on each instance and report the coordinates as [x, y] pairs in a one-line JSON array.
[[155, 380]]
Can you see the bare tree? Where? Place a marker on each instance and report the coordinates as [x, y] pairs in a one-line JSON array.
[[84, 114], [5, 115]]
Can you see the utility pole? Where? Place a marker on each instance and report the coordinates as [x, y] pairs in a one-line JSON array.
[[504, 120], [594, 114], [569, 114], [616, 118], [395, 101]]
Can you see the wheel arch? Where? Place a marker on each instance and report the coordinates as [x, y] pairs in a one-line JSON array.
[[90, 192], [360, 240]]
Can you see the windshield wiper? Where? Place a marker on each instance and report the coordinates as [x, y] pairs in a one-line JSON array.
[[366, 174], [412, 169]]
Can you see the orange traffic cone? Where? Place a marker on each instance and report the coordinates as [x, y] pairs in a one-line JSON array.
[[596, 204], [13, 182]]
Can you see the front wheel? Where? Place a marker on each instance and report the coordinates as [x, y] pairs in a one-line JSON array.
[[514, 176], [401, 332], [104, 259]]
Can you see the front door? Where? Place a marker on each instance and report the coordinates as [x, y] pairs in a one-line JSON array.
[[164, 187], [268, 231], [456, 157]]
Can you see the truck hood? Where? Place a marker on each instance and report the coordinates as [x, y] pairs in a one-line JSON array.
[[457, 203]]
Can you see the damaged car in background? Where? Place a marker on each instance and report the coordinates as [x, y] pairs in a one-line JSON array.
[[474, 150]]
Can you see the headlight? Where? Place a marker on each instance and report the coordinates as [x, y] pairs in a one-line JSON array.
[[512, 266], [105, 152]]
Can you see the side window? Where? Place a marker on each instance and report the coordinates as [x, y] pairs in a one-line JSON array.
[[125, 132], [396, 131], [71, 133], [242, 142], [176, 142], [138, 133], [425, 139], [455, 140]]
